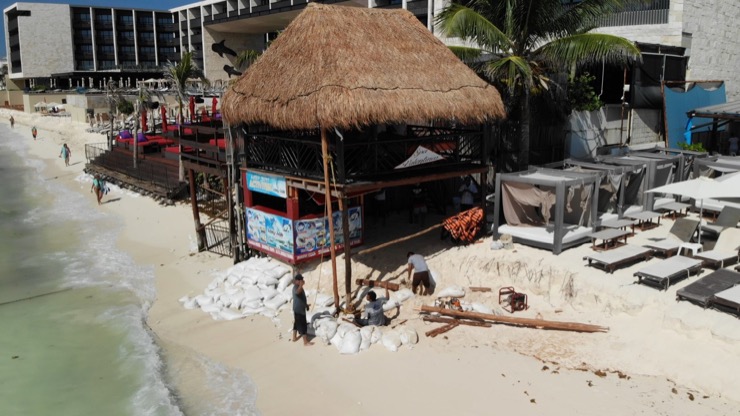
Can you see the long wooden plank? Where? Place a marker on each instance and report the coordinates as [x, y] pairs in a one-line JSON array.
[[510, 320], [480, 289], [374, 283], [440, 320], [441, 330]]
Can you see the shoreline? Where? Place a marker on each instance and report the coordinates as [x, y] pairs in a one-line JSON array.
[[469, 370]]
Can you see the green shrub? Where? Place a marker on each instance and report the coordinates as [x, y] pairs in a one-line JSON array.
[[581, 94], [125, 107], [695, 147]]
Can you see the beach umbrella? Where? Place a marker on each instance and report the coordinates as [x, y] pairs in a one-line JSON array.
[[213, 106], [144, 127], [703, 188], [163, 111], [192, 108]]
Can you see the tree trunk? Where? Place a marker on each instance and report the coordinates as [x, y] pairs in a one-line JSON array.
[[524, 118], [135, 141]]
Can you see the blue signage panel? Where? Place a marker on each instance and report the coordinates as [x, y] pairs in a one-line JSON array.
[[269, 232], [267, 184]]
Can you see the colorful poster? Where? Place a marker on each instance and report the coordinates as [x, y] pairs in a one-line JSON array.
[[267, 184], [312, 235], [270, 233]]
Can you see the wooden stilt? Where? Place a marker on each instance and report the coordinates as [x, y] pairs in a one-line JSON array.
[[196, 213], [510, 320], [327, 190], [376, 283], [343, 206]]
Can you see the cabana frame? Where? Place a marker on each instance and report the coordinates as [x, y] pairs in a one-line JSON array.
[[566, 179]]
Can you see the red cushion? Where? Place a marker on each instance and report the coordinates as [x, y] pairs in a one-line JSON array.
[[221, 143]]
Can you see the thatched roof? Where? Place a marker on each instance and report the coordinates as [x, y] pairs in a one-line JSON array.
[[337, 66]]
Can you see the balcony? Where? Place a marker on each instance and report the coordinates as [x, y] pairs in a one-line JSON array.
[[195, 22], [167, 27], [168, 42], [103, 24], [84, 55], [654, 12], [83, 39], [146, 41], [170, 56], [81, 24], [125, 25]]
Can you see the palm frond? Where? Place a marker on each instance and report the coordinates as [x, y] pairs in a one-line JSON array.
[[588, 48], [466, 54], [459, 21], [246, 58], [511, 70]]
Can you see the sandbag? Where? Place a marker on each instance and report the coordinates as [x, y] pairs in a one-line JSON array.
[[275, 303], [268, 312], [351, 342], [210, 308], [250, 304], [452, 291], [190, 303], [336, 341], [403, 295], [408, 336], [326, 329], [323, 300], [284, 282], [391, 340], [203, 300], [391, 304], [252, 293], [368, 334], [230, 314], [268, 293]]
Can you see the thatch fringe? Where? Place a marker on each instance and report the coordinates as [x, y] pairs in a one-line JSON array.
[[345, 67]]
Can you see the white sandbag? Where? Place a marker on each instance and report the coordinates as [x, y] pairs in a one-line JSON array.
[[403, 295], [344, 328], [266, 280], [481, 308], [231, 290], [336, 341], [210, 308], [212, 285], [230, 314], [190, 303], [275, 303], [391, 340], [184, 299], [316, 315], [367, 333], [268, 293], [203, 300], [250, 304], [351, 342], [276, 273], [326, 329], [391, 304], [247, 281], [252, 293], [408, 336], [284, 282], [451, 291], [323, 300], [268, 312], [376, 336], [233, 278], [251, 311]]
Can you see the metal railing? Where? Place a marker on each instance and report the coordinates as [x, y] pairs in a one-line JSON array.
[[652, 13]]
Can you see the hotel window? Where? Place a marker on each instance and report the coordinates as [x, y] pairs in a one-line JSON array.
[[146, 35], [166, 36], [164, 21], [107, 64], [106, 34], [146, 20], [106, 49], [85, 33], [85, 48], [126, 19], [146, 50], [127, 49], [83, 17], [103, 18], [85, 64], [128, 63], [127, 35]]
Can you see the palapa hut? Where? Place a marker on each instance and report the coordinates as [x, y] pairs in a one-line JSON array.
[[371, 93]]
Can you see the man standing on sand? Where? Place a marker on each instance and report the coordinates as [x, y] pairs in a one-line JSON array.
[[300, 306], [33, 132], [12, 122], [418, 265]]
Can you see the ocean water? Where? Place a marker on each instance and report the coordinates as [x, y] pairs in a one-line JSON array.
[[73, 334]]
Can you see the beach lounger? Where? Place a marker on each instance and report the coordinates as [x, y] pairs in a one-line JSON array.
[[610, 260], [728, 300], [663, 273], [701, 291], [682, 231], [728, 218], [725, 251]]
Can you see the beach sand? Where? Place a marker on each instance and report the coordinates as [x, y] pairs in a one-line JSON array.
[[660, 357]]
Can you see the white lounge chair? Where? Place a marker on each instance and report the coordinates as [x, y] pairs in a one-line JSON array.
[[682, 231], [668, 271], [612, 259], [728, 218], [725, 252]]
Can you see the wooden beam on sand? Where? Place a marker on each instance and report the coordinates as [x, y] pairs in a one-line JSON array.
[[480, 289], [441, 330], [440, 320], [374, 283], [526, 322], [398, 240]]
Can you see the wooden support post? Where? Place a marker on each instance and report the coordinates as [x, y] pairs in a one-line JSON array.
[[327, 190], [441, 330], [374, 283], [347, 250], [199, 230], [440, 320], [526, 322]]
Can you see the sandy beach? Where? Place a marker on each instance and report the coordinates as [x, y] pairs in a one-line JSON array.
[[659, 357]]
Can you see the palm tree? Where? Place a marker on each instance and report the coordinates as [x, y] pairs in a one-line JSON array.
[[179, 73], [246, 58], [517, 43]]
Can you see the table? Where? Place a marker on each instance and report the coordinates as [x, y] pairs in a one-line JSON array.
[[620, 224], [674, 209], [645, 219], [611, 237]]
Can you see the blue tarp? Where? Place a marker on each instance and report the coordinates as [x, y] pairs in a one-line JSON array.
[[679, 102]]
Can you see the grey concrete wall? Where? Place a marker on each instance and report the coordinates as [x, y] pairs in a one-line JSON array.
[[214, 64], [45, 40]]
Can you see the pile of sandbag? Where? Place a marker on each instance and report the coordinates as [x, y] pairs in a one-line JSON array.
[[349, 339], [258, 286]]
